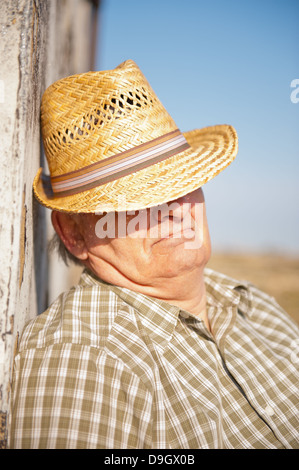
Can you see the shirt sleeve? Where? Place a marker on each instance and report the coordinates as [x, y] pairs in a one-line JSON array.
[[73, 396]]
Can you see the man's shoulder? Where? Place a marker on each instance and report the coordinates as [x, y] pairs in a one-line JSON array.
[[83, 315], [90, 320], [258, 305]]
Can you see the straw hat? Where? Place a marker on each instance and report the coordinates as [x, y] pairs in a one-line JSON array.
[[111, 145]]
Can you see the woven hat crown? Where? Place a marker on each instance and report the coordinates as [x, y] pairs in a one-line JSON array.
[[92, 116], [111, 145]]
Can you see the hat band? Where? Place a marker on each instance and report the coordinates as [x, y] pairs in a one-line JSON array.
[[119, 165]]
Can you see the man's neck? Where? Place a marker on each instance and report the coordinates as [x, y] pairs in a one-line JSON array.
[[186, 291], [191, 299]]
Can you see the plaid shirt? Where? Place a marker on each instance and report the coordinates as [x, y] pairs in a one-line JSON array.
[[105, 367]]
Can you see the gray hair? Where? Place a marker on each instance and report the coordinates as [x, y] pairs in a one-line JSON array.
[[56, 244]]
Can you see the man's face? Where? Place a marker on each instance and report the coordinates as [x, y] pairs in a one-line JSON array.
[[150, 246]]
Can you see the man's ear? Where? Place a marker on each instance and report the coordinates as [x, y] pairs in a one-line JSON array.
[[68, 230]]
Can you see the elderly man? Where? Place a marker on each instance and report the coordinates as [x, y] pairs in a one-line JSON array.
[[151, 350]]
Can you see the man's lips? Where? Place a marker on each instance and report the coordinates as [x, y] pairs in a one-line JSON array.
[[179, 236]]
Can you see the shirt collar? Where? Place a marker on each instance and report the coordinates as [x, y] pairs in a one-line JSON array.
[[157, 317], [225, 291], [160, 318]]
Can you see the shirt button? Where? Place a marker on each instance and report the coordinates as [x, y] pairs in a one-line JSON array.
[[269, 410], [184, 314]]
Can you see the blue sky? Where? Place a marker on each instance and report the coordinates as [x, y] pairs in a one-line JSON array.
[[225, 62]]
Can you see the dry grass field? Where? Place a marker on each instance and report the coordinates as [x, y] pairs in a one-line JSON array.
[[276, 275]]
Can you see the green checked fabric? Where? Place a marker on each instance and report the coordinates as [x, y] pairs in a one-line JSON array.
[[105, 367]]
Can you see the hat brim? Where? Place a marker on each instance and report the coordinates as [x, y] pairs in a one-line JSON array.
[[211, 150]]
